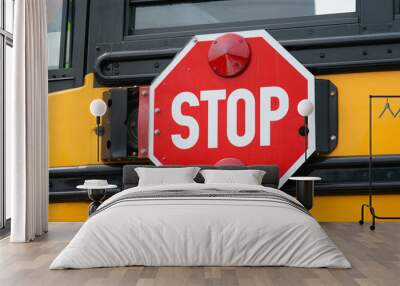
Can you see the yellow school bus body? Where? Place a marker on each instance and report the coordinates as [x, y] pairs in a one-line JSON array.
[[72, 140]]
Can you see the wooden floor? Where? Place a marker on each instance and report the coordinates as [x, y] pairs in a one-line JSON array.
[[375, 257]]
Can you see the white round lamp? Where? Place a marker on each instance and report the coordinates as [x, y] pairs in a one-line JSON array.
[[305, 107], [98, 108]]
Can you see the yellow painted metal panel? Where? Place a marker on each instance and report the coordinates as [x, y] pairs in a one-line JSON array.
[[71, 211], [73, 140], [354, 90], [72, 137], [347, 208]]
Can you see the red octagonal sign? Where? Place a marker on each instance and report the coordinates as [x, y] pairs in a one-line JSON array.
[[198, 117]]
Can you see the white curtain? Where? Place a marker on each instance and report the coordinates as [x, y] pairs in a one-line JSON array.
[[26, 123]]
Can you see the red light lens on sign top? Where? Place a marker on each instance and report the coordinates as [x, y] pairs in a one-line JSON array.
[[229, 55], [249, 112]]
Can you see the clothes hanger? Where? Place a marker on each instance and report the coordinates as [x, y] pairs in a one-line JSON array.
[[387, 107], [397, 113]]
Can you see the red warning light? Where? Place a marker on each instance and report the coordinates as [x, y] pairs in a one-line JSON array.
[[229, 55]]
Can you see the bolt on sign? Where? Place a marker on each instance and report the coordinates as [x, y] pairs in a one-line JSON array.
[[231, 95]]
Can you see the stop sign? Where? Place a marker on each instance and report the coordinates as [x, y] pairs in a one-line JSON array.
[[216, 101]]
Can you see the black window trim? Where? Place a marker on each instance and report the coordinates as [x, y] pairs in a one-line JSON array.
[[279, 23], [64, 23], [56, 72], [63, 78]]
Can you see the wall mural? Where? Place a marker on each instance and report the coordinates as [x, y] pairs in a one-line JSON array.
[[231, 96]]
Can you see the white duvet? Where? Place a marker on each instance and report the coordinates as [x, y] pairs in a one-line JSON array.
[[200, 231]]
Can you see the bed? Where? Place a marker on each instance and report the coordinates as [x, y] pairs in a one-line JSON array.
[[198, 224]]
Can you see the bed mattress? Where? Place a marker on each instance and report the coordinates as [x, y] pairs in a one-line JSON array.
[[201, 225]]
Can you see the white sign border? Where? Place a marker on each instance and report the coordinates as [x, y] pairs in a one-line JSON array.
[[245, 34]]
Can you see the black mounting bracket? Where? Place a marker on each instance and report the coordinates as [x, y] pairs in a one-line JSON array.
[[326, 115]]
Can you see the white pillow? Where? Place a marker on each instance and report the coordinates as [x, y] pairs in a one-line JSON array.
[[166, 176], [248, 177]]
